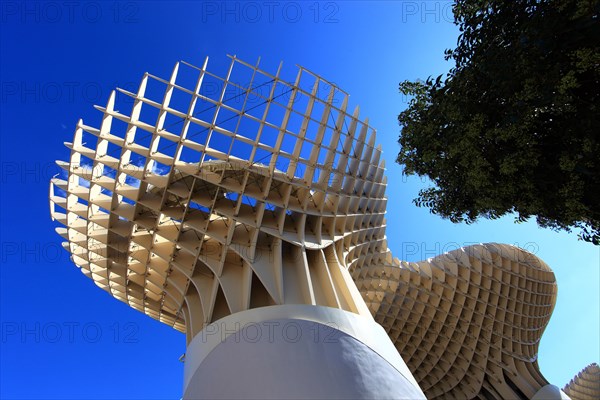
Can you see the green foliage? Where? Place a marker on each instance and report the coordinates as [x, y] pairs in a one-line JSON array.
[[515, 124]]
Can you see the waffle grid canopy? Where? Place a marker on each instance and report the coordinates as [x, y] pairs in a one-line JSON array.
[[585, 385], [189, 206], [467, 323], [209, 194]]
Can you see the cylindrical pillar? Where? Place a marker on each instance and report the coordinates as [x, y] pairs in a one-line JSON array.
[[550, 392], [296, 351]]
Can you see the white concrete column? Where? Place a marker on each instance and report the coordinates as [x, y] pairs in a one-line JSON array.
[[550, 392], [296, 351]]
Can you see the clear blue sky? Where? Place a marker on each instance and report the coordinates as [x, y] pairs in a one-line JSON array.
[[64, 338]]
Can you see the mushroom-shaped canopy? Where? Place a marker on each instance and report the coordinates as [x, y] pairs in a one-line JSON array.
[[203, 195], [467, 323]]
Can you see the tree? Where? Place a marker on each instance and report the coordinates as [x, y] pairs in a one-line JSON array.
[[514, 126]]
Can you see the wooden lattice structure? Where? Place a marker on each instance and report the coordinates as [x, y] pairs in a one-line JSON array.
[[467, 323], [585, 385], [195, 204], [190, 242]]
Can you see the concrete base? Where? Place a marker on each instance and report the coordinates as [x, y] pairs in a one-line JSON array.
[[296, 351], [550, 392]]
